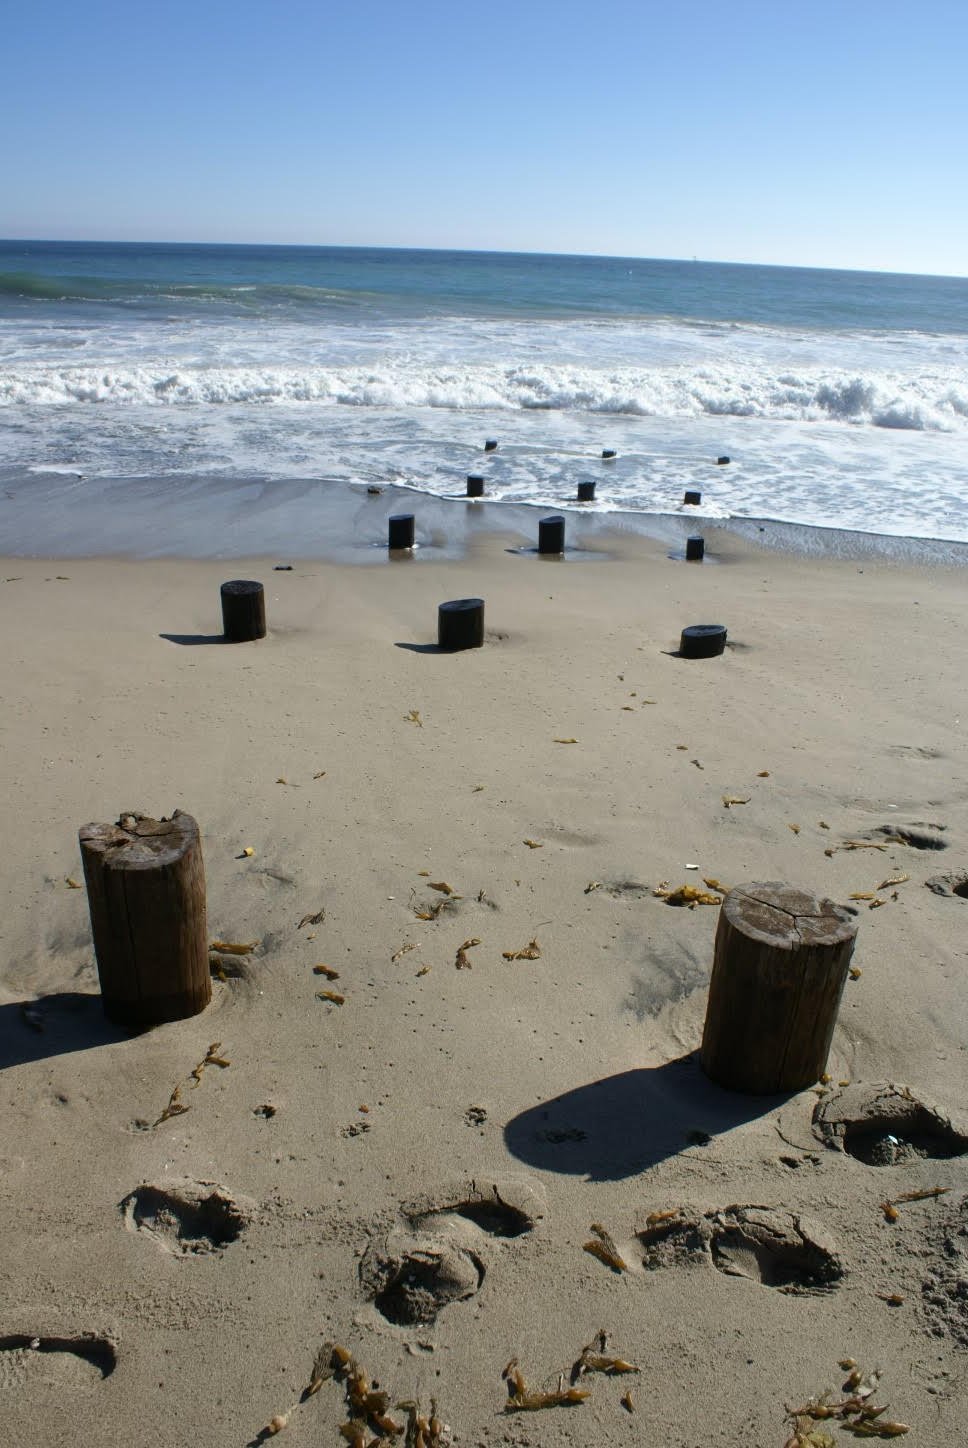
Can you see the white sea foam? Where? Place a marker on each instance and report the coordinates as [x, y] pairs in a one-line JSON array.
[[850, 430], [930, 401]]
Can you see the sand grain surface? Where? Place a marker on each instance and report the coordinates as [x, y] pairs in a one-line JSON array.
[[413, 1173]]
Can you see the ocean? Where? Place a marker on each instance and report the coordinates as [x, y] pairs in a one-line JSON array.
[[203, 371]]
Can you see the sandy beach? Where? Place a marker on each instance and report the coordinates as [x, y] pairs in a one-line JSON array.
[[438, 1144]]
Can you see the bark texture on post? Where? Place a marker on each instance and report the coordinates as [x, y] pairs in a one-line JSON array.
[[146, 894], [778, 974]]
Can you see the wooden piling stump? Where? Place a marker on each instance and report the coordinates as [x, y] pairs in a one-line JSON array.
[[551, 534], [586, 492], [702, 640], [146, 895], [243, 611], [460, 624], [475, 485], [400, 532], [779, 969]]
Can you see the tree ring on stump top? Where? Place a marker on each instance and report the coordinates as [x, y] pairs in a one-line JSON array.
[[785, 918]]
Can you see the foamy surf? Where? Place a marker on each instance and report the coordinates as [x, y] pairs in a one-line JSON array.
[[841, 400]]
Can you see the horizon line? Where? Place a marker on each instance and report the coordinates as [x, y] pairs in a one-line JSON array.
[[476, 251]]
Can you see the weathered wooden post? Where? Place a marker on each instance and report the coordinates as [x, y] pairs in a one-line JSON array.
[[475, 485], [490, 445], [608, 453], [692, 497], [722, 461], [243, 611], [400, 532], [146, 895], [460, 624], [702, 641], [586, 492], [551, 534], [779, 969], [695, 548]]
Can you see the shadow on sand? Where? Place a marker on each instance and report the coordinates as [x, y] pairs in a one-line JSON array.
[[54, 1025], [193, 639], [622, 1125], [423, 648]]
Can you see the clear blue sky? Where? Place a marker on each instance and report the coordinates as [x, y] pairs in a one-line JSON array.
[[829, 133]]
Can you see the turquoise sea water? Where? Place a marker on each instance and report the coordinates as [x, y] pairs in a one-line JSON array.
[[840, 397]]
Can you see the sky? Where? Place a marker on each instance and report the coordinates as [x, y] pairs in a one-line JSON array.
[[829, 134]]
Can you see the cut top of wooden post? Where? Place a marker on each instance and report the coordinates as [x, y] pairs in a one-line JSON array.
[[786, 918], [138, 842]]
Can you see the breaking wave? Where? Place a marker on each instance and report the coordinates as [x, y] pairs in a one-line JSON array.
[[935, 401]]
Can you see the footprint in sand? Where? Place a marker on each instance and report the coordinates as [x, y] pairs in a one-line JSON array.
[[74, 1364], [184, 1217], [882, 1124], [437, 1254], [626, 889], [918, 835], [766, 1245], [944, 1293], [955, 883]]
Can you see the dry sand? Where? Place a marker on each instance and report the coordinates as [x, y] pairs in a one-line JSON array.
[[453, 1134]]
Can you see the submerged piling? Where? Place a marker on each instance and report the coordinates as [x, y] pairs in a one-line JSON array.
[[400, 532]]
